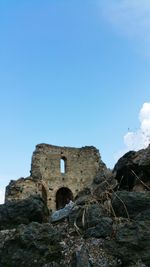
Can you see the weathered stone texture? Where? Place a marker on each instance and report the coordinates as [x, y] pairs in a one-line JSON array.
[[21, 189], [132, 171], [81, 166], [56, 185], [23, 211]]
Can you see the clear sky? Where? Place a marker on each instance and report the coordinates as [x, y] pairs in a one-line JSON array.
[[72, 73]]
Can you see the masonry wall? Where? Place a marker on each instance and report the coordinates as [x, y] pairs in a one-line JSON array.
[[47, 179], [81, 166]]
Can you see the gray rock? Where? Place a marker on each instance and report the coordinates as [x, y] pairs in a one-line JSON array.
[[32, 245], [123, 171], [82, 200], [80, 258], [86, 216], [62, 213], [139, 264], [131, 243], [132, 170], [105, 186], [102, 229], [82, 193], [23, 211], [143, 216], [130, 204]]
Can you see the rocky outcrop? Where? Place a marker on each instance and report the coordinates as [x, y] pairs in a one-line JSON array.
[[88, 215], [103, 229], [58, 174], [131, 204], [32, 245], [132, 171], [21, 189], [23, 212], [62, 213], [131, 243], [107, 225], [91, 235]]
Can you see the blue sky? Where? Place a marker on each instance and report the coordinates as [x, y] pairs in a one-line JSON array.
[[72, 73]]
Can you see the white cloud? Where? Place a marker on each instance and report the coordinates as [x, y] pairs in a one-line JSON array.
[[139, 139], [130, 18], [2, 195]]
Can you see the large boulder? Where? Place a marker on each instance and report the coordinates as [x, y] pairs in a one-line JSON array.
[[131, 204], [63, 213], [103, 229], [132, 171], [21, 189], [131, 244], [23, 211], [33, 245], [86, 216], [92, 219], [103, 181]]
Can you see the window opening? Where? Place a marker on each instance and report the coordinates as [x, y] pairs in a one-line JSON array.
[[63, 165]]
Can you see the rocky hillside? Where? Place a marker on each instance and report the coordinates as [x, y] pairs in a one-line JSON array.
[[109, 227]]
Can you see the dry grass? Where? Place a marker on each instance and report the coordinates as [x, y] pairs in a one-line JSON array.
[[146, 186]]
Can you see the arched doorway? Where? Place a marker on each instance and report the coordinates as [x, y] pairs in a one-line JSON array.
[[63, 196]]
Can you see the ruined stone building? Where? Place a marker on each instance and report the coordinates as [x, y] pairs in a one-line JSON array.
[[57, 174]]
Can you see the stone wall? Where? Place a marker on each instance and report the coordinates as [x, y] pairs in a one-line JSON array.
[[81, 165], [58, 184]]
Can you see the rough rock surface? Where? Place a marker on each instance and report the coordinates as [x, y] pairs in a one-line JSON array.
[[106, 227], [91, 236], [24, 211], [102, 229], [30, 245], [21, 189], [131, 204], [131, 243], [80, 258], [133, 170], [86, 216], [62, 213], [50, 180], [81, 165]]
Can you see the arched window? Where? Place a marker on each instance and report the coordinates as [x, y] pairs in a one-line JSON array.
[[63, 165]]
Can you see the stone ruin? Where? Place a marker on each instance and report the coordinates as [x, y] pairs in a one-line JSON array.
[[58, 174], [108, 227]]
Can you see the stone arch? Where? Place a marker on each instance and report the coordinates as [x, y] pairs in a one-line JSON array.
[[63, 196]]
